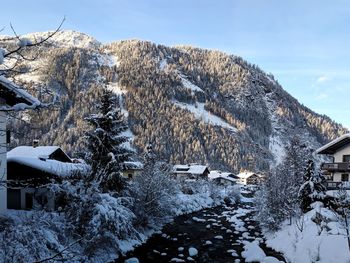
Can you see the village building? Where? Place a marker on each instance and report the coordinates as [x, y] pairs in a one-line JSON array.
[[249, 178], [131, 169], [14, 98], [30, 169], [190, 171], [223, 178], [338, 170]]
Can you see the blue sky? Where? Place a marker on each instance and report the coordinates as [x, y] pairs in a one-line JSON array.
[[304, 43]]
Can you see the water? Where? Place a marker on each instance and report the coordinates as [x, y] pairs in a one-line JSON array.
[[217, 226]]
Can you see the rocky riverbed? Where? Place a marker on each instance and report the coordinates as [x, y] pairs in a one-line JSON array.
[[226, 233]]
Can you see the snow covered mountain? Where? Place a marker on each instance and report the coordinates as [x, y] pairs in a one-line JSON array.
[[194, 105]]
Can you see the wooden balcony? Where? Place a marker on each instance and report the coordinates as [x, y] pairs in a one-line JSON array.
[[336, 167], [330, 185]]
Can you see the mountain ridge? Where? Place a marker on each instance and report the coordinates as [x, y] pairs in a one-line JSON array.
[[195, 105]]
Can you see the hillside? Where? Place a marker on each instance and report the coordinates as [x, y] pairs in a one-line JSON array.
[[194, 105]]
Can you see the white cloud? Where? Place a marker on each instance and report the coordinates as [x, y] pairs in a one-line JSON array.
[[322, 79]]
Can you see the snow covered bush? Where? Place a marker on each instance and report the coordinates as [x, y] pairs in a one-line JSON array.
[[32, 236], [153, 191]]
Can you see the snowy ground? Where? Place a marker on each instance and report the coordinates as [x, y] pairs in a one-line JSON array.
[[323, 244]]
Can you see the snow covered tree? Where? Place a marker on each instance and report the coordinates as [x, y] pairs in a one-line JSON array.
[[312, 189], [153, 190], [106, 153], [342, 211], [278, 198]]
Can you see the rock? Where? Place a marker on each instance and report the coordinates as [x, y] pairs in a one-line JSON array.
[[163, 254], [192, 252], [219, 237], [270, 260], [190, 259], [228, 231], [132, 260], [208, 242], [180, 249], [177, 260]]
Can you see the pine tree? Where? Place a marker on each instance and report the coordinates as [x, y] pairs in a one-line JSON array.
[[106, 153], [312, 189]]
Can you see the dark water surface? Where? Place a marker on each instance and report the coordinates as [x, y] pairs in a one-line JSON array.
[[213, 232]]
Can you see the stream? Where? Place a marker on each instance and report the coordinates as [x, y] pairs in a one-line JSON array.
[[211, 235]]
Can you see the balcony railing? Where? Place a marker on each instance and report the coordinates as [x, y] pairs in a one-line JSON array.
[[336, 167], [335, 185]]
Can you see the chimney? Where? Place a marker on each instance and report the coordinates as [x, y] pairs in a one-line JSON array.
[[35, 143]]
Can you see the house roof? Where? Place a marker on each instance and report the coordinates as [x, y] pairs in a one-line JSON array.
[[190, 169], [333, 146], [213, 175], [246, 175], [133, 165], [34, 152], [15, 97], [39, 158]]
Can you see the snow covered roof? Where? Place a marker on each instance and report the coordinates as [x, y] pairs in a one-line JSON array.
[[133, 165], [15, 97], [32, 152], [216, 174], [213, 175], [42, 158], [246, 175], [333, 146], [190, 168]]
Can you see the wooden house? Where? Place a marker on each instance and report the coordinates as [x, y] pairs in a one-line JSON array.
[[190, 171], [338, 170], [12, 98], [131, 169], [30, 169]]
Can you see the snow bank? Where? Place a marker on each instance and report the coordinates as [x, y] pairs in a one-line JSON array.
[[252, 252], [324, 245]]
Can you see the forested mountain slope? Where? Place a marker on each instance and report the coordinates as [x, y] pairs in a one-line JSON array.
[[194, 105]]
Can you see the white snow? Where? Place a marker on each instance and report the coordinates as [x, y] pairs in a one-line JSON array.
[[311, 244], [189, 85], [192, 252], [2, 53], [38, 158], [276, 145], [252, 252], [132, 260], [67, 38], [204, 115], [277, 149], [162, 64], [31, 102]]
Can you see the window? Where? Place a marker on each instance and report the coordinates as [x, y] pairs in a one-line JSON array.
[[346, 158], [345, 177]]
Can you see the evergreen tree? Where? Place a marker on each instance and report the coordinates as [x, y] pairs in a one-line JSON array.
[[312, 189], [106, 153], [278, 198]]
